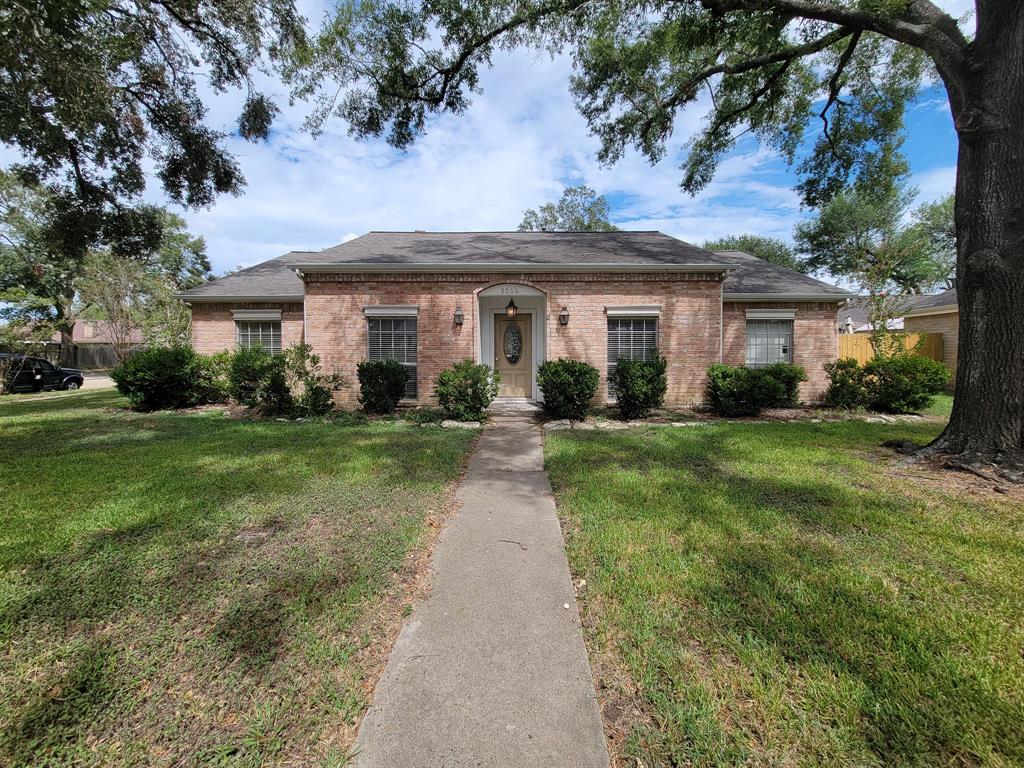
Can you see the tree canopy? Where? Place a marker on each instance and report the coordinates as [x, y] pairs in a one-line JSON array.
[[94, 93], [580, 209], [862, 235], [768, 248], [41, 281]]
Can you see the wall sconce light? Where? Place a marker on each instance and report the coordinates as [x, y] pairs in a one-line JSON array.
[[563, 317], [458, 316], [511, 310]]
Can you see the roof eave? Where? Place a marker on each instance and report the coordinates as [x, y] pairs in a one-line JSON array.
[[221, 298], [727, 296], [519, 266], [945, 309]]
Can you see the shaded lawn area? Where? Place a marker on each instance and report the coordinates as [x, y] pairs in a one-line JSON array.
[[186, 589], [777, 594]]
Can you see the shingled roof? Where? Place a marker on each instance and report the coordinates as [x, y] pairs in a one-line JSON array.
[[748, 276]]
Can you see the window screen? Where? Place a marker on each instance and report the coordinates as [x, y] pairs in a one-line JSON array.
[[630, 338], [259, 333], [394, 338], [769, 341]]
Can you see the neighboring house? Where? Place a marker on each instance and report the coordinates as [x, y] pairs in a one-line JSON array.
[[515, 299], [853, 318], [938, 314], [94, 332]]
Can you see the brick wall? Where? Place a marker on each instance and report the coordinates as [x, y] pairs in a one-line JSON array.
[[948, 324], [213, 326], [692, 331], [689, 326], [815, 339]]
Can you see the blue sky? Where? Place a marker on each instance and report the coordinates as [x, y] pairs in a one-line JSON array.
[[519, 144]]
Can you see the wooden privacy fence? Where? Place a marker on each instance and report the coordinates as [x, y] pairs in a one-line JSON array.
[[858, 345]]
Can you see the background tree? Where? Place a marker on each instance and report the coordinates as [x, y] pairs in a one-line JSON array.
[[94, 92], [767, 248], [772, 68], [580, 209], [860, 230], [41, 279], [937, 222]]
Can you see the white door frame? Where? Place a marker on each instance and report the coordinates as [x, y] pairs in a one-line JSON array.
[[492, 301]]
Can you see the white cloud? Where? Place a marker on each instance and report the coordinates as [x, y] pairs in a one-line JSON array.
[[517, 146], [935, 183]]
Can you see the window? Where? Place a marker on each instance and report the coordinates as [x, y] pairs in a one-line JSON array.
[[769, 341], [394, 338], [264, 334], [630, 338]]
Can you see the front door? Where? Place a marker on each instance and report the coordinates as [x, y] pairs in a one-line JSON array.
[[513, 355]]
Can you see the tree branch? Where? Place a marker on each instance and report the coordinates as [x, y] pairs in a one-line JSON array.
[[834, 85]]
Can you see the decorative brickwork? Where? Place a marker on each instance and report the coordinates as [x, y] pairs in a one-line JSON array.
[[815, 339]]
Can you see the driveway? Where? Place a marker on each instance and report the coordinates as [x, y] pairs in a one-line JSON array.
[[97, 380]]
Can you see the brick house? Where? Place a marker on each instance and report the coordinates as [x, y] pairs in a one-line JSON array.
[[938, 313], [515, 299]]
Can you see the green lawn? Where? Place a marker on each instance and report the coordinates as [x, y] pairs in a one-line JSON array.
[[778, 594], [187, 589]]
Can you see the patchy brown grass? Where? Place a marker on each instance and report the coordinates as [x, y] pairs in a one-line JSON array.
[[189, 589]]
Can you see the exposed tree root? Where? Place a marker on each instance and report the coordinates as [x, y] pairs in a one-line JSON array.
[[1001, 467]]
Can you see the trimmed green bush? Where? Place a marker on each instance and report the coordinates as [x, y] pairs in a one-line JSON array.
[[155, 378], [381, 385], [847, 388], [789, 376], [904, 383], [740, 391], [568, 387], [466, 389], [639, 385]]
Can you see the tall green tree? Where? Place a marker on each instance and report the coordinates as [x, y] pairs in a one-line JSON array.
[[42, 280], [773, 69], [92, 93], [768, 248], [580, 209], [863, 235]]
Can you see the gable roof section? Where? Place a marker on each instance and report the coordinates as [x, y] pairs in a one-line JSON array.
[[755, 279], [273, 280], [533, 250], [748, 277]]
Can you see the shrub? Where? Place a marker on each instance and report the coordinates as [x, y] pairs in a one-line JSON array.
[[847, 388], [904, 383], [740, 391], [568, 387], [165, 377], [466, 389], [309, 386], [214, 372], [639, 385], [789, 376], [381, 385], [258, 380]]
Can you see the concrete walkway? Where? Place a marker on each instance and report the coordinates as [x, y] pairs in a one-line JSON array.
[[491, 669]]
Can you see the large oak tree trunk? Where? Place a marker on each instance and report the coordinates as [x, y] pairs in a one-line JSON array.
[[987, 423]]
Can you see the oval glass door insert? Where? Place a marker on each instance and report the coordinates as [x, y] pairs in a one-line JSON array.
[[513, 343]]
